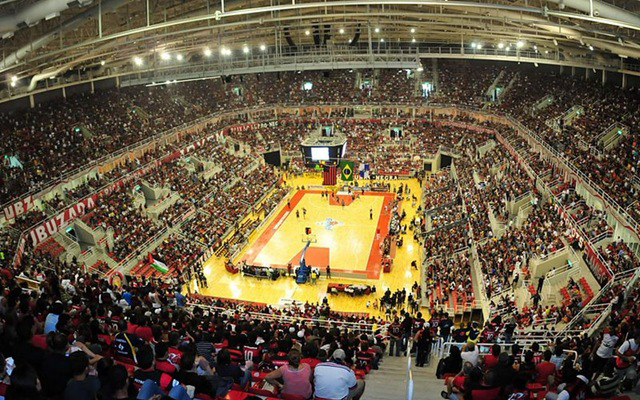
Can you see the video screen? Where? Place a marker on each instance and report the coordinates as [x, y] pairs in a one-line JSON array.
[[320, 153]]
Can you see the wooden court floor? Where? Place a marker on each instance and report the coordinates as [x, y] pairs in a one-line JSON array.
[[346, 238]]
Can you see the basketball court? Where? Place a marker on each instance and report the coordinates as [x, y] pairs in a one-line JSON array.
[[344, 237]]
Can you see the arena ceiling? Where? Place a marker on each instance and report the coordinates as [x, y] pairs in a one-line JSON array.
[[45, 38]]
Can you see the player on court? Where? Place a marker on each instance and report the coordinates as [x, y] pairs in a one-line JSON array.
[[298, 214]]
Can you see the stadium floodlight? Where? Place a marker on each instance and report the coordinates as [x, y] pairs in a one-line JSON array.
[[342, 31], [245, 50], [165, 56], [179, 57], [207, 52], [377, 30], [500, 45], [137, 61], [520, 44], [263, 47], [413, 30]]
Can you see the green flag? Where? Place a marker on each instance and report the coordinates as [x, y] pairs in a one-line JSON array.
[[347, 170]]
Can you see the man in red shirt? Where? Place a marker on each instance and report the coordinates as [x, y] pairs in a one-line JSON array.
[[491, 360], [546, 370]]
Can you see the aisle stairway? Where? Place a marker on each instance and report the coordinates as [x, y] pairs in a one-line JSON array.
[[390, 381]]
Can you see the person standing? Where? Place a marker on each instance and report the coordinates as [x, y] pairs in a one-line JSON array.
[[371, 213], [423, 343], [328, 272], [298, 214], [304, 213], [395, 336]]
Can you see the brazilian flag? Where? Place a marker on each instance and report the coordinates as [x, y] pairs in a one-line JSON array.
[[347, 170]]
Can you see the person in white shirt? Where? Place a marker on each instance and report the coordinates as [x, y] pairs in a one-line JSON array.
[[470, 353], [626, 357], [604, 352], [335, 381]]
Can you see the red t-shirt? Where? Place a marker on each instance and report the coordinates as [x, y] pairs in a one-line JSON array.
[[145, 333], [544, 369], [490, 361], [311, 361]]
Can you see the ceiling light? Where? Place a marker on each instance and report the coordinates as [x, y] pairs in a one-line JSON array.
[[165, 56], [500, 45], [590, 47], [225, 52], [420, 69], [207, 52], [546, 52], [14, 79], [508, 48], [263, 47], [341, 31], [413, 40], [377, 30], [536, 64], [473, 45], [519, 44], [535, 47], [555, 42], [381, 40], [479, 46], [307, 32], [179, 57], [413, 30], [137, 61], [245, 50], [13, 84], [102, 62]]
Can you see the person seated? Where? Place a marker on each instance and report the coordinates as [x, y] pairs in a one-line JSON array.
[[294, 378]]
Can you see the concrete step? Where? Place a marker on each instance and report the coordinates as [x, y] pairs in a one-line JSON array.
[[390, 381]]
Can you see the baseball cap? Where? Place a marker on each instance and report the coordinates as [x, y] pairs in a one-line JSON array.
[[339, 354]]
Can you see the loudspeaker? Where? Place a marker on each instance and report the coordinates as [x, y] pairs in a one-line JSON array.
[[356, 37], [327, 34], [316, 35], [287, 37]]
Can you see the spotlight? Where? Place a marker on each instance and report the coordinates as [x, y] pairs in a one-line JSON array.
[[420, 69], [179, 57], [381, 40], [14, 79], [137, 61], [535, 48], [473, 45], [479, 46], [555, 42], [263, 47], [590, 47], [500, 45], [413, 30], [102, 62], [413, 40], [341, 31], [207, 52], [245, 50], [519, 44], [508, 48], [377, 30], [165, 56], [307, 32]]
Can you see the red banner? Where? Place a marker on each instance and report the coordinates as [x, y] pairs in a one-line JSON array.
[[18, 208]]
